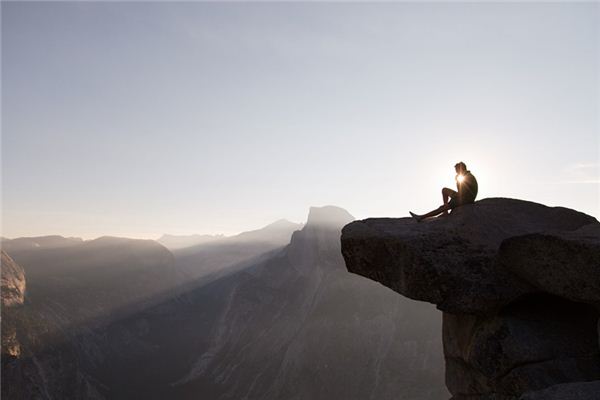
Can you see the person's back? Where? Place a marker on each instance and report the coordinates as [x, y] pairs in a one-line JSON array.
[[467, 188]]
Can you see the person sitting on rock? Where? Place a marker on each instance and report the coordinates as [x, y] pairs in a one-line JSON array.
[[467, 191]]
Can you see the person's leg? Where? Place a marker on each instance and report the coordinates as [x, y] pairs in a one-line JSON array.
[[443, 209], [447, 194]]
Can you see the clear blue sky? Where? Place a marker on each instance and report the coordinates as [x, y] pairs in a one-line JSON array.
[[136, 119]]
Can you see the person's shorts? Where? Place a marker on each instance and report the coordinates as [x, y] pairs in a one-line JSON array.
[[457, 202]]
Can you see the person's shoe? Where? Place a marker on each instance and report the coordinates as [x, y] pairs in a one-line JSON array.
[[416, 217]]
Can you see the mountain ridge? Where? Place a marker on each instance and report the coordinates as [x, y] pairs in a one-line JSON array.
[[275, 327]]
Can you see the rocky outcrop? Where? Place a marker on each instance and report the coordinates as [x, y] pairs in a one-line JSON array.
[[519, 284], [13, 295], [13, 282], [566, 391], [563, 263]]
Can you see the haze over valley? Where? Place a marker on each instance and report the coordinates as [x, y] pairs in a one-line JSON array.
[[270, 313]]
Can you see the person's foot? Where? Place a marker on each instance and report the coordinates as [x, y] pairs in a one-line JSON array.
[[416, 217]]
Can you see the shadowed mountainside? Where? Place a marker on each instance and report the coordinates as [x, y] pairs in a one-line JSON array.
[[308, 330], [210, 260], [74, 290], [293, 325], [90, 280]]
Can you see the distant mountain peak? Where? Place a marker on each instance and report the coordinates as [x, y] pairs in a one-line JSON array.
[[49, 241], [283, 223], [111, 240], [174, 242], [329, 216], [278, 231], [168, 236]]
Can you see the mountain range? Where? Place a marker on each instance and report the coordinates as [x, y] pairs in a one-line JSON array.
[[267, 314]]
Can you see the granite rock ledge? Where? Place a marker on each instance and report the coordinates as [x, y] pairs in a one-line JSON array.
[[518, 283]]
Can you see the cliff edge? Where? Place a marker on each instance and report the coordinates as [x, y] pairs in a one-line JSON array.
[[12, 292], [518, 284]]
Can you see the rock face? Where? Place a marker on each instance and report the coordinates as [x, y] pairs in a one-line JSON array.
[[519, 284], [55, 336], [13, 282], [566, 391], [13, 295]]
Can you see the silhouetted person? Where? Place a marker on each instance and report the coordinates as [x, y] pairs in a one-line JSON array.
[[467, 191]]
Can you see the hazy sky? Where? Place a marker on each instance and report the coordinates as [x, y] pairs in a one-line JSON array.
[[136, 119]]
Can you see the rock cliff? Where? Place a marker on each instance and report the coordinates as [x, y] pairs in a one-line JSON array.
[[13, 295], [13, 282], [519, 285], [55, 334]]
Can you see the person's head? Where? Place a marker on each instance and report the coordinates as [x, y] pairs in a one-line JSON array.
[[460, 168]]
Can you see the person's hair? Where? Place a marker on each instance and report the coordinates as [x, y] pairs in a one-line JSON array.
[[461, 166]]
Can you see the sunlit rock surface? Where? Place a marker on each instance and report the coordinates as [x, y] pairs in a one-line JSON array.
[[519, 284], [13, 295], [13, 282]]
